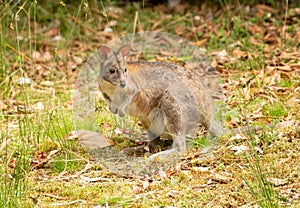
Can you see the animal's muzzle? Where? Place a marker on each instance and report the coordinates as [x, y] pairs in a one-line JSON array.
[[122, 84]]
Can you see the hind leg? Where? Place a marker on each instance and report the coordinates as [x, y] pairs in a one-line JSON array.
[[157, 125], [172, 117]]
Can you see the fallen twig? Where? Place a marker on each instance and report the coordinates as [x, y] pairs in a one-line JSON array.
[[67, 178], [96, 179], [66, 203], [54, 196]]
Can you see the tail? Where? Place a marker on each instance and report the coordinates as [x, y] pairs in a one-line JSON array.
[[256, 129]]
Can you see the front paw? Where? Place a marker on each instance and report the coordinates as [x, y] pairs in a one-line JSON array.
[[113, 109], [121, 113]]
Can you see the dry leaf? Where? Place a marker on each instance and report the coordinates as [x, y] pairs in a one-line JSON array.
[[254, 41], [237, 137], [47, 56], [239, 54], [222, 177], [78, 60], [258, 150], [137, 189], [254, 29], [3, 106], [52, 32], [162, 174], [201, 42], [200, 169], [277, 181], [172, 193], [35, 55], [23, 81], [171, 171], [239, 149], [220, 54], [146, 185], [90, 139], [47, 83], [12, 163], [39, 106], [264, 8], [41, 158], [118, 131]]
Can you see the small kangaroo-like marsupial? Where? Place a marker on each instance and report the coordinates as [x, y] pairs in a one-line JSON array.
[[168, 99]]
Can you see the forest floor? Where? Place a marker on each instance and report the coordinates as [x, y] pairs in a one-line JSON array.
[[256, 51]]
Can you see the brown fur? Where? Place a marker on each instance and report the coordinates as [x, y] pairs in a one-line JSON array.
[[170, 100]]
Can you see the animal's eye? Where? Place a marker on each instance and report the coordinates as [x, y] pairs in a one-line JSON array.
[[112, 71], [125, 70]]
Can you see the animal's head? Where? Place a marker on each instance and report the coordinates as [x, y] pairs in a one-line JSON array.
[[113, 64]]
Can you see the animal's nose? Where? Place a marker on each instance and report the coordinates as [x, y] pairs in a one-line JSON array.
[[123, 84]]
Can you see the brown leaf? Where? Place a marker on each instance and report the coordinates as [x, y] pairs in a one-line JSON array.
[[41, 158], [13, 163], [239, 149], [201, 42], [277, 181], [137, 189], [222, 177], [36, 55], [3, 106], [47, 56], [272, 39], [237, 137], [200, 169], [254, 41], [172, 193], [171, 171], [233, 122], [286, 68], [38, 106], [23, 81], [90, 139], [264, 8], [179, 30], [297, 37], [146, 185], [254, 29], [239, 54], [52, 32], [162, 174]]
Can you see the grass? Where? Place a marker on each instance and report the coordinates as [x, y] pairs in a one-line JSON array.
[[39, 41]]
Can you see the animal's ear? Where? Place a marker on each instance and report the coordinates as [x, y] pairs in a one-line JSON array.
[[125, 50], [104, 52]]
